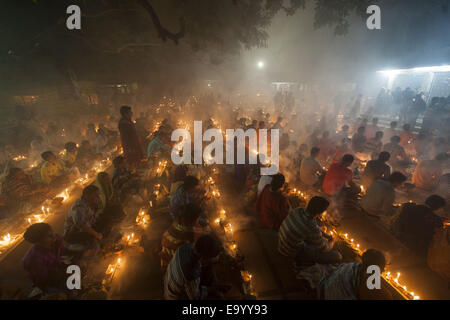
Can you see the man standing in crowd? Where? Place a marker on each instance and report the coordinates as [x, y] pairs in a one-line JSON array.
[[130, 141]]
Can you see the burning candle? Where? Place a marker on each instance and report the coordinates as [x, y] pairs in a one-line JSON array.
[[228, 228], [6, 240], [246, 276]]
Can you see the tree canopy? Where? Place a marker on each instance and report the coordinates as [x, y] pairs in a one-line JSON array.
[[153, 32]]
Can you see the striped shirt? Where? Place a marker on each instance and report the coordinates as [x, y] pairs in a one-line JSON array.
[[182, 279], [172, 239], [342, 284], [298, 227]]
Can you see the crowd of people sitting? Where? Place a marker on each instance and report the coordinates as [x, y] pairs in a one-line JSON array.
[[353, 162]]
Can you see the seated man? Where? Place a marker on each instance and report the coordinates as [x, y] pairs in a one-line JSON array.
[[415, 224], [178, 178], [428, 172], [165, 129], [359, 140], [299, 156], [376, 169], [343, 134], [390, 132], [181, 231], [80, 223], [19, 187], [272, 205], [188, 192], [53, 171], [190, 275], [374, 144], [372, 128], [43, 261], [70, 154], [300, 236], [406, 136], [342, 148], [156, 146], [125, 184], [326, 147], [349, 280], [338, 175], [379, 198], [398, 159], [86, 155], [310, 168]]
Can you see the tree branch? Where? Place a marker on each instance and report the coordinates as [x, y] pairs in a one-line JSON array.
[[163, 33]]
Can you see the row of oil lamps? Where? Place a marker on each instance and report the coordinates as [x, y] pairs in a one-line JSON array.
[[9, 240], [142, 220], [231, 245], [392, 280]]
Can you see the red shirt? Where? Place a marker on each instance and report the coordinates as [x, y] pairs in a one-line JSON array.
[[336, 177], [272, 208]]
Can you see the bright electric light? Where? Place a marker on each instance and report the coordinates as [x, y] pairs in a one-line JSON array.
[[444, 68], [260, 64]]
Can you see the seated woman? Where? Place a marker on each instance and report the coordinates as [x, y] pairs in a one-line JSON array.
[[19, 190], [80, 224], [110, 210], [349, 280], [181, 231], [272, 205], [53, 171], [43, 262]]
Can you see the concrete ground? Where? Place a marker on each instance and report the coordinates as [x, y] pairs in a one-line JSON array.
[[273, 278]]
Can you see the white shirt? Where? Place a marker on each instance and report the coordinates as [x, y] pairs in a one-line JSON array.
[[308, 171]]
